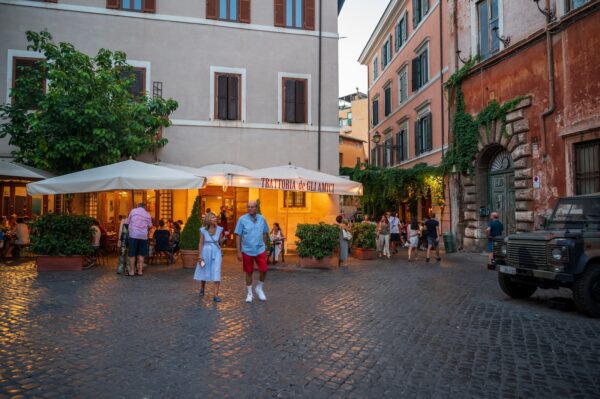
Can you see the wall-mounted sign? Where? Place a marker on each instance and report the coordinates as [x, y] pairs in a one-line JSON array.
[[298, 185], [536, 182]]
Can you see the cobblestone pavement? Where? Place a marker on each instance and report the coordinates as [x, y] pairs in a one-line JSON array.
[[376, 328]]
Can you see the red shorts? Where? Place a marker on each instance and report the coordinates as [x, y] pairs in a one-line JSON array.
[[261, 262]]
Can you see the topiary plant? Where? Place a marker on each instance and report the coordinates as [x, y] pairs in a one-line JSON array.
[[62, 235], [190, 236], [317, 240], [363, 235]]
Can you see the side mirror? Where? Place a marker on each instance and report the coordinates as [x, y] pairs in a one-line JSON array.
[[543, 222]]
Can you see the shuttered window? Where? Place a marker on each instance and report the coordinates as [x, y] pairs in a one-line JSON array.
[[228, 10], [587, 167], [137, 87], [375, 69], [132, 5], [90, 204], [488, 22], [401, 146], [386, 53], [298, 14], [294, 199], [24, 75], [420, 9], [423, 134], [574, 4], [295, 100], [228, 96], [388, 100], [375, 115], [420, 70], [401, 31], [403, 85]]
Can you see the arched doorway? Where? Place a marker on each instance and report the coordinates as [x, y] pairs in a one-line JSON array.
[[501, 189]]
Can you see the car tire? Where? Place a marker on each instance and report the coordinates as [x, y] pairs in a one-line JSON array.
[[586, 291], [515, 289]]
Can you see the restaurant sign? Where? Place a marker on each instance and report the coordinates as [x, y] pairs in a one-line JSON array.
[[298, 185]]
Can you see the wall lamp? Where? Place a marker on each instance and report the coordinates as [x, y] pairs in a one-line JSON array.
[[548, 13], [505, 40]]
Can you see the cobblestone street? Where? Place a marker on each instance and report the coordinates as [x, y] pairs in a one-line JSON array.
[[376, 328]]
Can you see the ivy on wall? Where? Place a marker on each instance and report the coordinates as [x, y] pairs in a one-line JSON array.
[[387, 188], [466, 127]]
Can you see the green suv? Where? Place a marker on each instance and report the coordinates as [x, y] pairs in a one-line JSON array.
[[566, 253]]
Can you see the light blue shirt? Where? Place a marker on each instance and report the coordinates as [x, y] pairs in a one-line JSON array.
[[251, 234]]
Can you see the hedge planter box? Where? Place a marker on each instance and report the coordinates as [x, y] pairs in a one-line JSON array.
[[328, 262], [189, 258], [364, 253], [59, 263]]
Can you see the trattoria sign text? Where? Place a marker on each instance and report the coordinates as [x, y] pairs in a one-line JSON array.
[[298, 185]]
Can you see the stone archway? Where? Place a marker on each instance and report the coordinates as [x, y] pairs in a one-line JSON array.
[[514, 188]]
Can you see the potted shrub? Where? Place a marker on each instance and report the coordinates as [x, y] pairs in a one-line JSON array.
[[190, 237], [61, 242], [316, 245], [364, 241]]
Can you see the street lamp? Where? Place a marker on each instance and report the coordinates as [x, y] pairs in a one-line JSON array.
[[376, 137]]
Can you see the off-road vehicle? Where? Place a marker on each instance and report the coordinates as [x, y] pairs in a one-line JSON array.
[[566, 253]]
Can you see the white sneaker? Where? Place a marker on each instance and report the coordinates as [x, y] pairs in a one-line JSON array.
[[249, 297], [260, 293]]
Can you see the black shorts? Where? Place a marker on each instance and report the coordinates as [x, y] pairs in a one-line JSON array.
[[137, 247], [395, 237]]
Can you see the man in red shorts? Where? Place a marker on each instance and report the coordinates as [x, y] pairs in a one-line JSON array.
[[251, 234]]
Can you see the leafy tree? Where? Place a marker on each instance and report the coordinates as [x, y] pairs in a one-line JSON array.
[[86, 117], [190, 236]]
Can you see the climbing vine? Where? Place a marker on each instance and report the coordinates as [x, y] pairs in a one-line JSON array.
[[387, 188], [466, 127]]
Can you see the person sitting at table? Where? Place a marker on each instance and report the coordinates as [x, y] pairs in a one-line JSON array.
[[21, 233], [161, 240], [175, 238]]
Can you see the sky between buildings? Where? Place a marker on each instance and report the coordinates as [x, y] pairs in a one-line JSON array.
[[356, 22]]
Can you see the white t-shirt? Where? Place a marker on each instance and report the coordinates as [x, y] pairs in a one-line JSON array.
[[96, 236], [394, 225], [22, 233]]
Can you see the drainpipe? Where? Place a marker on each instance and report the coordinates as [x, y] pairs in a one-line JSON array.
[[320, 83], [440, 8], [551, 99]]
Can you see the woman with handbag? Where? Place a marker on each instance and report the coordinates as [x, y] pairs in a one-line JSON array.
[[276, 242], [383, 237], [210, 256], [345, 238]]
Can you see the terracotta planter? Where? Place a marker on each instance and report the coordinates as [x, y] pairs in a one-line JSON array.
[[364, 253], [59, 263], [328, 262], [189, 258]]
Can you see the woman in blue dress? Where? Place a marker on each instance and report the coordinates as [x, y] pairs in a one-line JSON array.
[[210, 257]]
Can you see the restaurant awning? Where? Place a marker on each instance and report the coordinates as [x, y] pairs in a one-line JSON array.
[[126, 175], [295, 178], [13, 170]]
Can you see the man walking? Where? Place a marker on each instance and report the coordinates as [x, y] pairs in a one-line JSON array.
[[139, 222], [433, 233], [494, 229], [394, 231], [251, 234]]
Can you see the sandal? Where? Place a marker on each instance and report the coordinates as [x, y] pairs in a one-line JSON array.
[[217, 299]]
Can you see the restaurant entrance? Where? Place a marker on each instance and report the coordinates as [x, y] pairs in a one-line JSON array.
[[233, 200]]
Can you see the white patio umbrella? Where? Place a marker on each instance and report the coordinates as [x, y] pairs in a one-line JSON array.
[[11, 169], [126, 175], [296, 178], [222, 174]]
